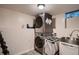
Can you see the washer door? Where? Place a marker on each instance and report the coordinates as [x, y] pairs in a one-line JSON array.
[[39, 42]]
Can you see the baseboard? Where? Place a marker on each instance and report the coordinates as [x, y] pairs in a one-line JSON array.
[[23, 52]]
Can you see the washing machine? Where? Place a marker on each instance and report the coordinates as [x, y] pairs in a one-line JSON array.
[[39, 43]]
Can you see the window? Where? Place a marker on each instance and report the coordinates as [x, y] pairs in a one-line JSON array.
[[72, 14]]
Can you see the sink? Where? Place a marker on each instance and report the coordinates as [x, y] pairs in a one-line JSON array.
[[69, 40]]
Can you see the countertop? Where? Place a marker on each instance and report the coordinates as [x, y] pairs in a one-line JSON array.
[[76, 42]]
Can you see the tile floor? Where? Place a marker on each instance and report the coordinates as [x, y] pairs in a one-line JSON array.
[[33, 52]]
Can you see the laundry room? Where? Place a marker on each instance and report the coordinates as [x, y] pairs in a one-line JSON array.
[[39, 29]]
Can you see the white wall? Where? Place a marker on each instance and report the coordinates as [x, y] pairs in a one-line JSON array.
[[16, 35], [60, 26]]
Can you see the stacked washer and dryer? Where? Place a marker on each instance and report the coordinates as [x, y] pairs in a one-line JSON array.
[[44, 24]]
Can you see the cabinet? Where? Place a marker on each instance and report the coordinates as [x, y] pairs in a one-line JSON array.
[[68, 49]]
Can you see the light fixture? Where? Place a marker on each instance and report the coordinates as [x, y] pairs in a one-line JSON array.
[[41, 6]]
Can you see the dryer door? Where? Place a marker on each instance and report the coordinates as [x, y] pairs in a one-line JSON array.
[[38, 22]]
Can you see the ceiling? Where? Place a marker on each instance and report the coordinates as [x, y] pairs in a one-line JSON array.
[[32, 9]]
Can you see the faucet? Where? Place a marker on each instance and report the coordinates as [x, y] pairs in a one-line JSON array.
[[73, 32]]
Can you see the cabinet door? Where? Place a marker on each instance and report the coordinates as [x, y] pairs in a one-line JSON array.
[[66, 49]]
